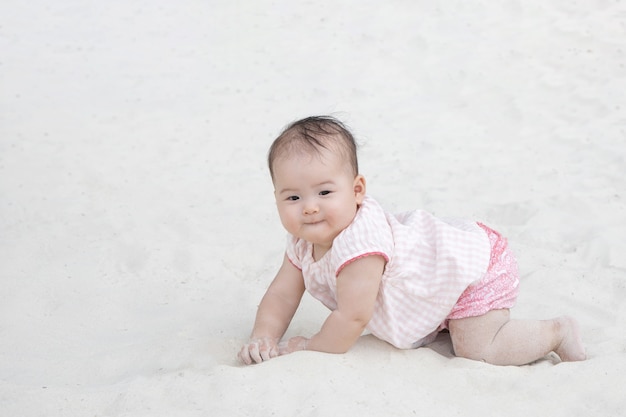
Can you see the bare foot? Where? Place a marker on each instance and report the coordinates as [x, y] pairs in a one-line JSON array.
[[571, 347]]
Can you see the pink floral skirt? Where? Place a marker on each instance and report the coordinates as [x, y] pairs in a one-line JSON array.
[[499, 287]]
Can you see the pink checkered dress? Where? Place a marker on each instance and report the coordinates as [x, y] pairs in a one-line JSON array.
[[430, 263]]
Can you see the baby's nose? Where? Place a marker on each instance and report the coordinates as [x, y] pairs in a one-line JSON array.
[[311, 209]]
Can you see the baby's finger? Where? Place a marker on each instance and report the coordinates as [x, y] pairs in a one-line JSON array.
[[268, 349], [244, 355], [274, 351], [254, 352], [265, 351]]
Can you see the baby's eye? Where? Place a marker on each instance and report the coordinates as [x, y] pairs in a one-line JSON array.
[[293, 198], [325, 192]]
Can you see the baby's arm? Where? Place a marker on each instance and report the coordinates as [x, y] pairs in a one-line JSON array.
[[357, 289], [279, 304]]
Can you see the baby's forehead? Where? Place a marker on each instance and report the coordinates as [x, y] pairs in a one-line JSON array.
[[321, 162]]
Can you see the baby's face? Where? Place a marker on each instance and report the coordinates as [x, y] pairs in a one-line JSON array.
[[317, 196]]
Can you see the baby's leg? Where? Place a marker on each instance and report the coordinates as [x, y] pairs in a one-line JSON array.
[[496, 339]]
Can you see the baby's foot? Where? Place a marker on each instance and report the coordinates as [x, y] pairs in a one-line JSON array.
[[571, 347]]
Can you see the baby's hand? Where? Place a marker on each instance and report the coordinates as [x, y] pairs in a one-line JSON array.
[[293, 345], [259, 350]]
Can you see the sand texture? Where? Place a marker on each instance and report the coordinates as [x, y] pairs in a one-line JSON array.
[[138, 229]]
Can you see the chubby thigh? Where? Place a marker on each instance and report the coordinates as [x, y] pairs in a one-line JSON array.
[[473, 336]]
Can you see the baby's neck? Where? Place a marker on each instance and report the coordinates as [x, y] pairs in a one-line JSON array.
[[319, 251]]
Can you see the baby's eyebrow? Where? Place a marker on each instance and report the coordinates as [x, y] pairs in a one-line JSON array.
[[287, 190], [330, 182]]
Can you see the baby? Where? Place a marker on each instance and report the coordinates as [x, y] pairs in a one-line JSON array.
[[403, 277]]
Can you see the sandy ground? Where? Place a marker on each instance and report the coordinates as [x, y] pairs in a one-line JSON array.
[[137, 224]]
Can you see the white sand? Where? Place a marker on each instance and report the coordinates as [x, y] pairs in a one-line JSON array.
[[137, 225]]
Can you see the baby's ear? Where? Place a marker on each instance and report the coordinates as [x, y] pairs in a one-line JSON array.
[[359, 188]]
